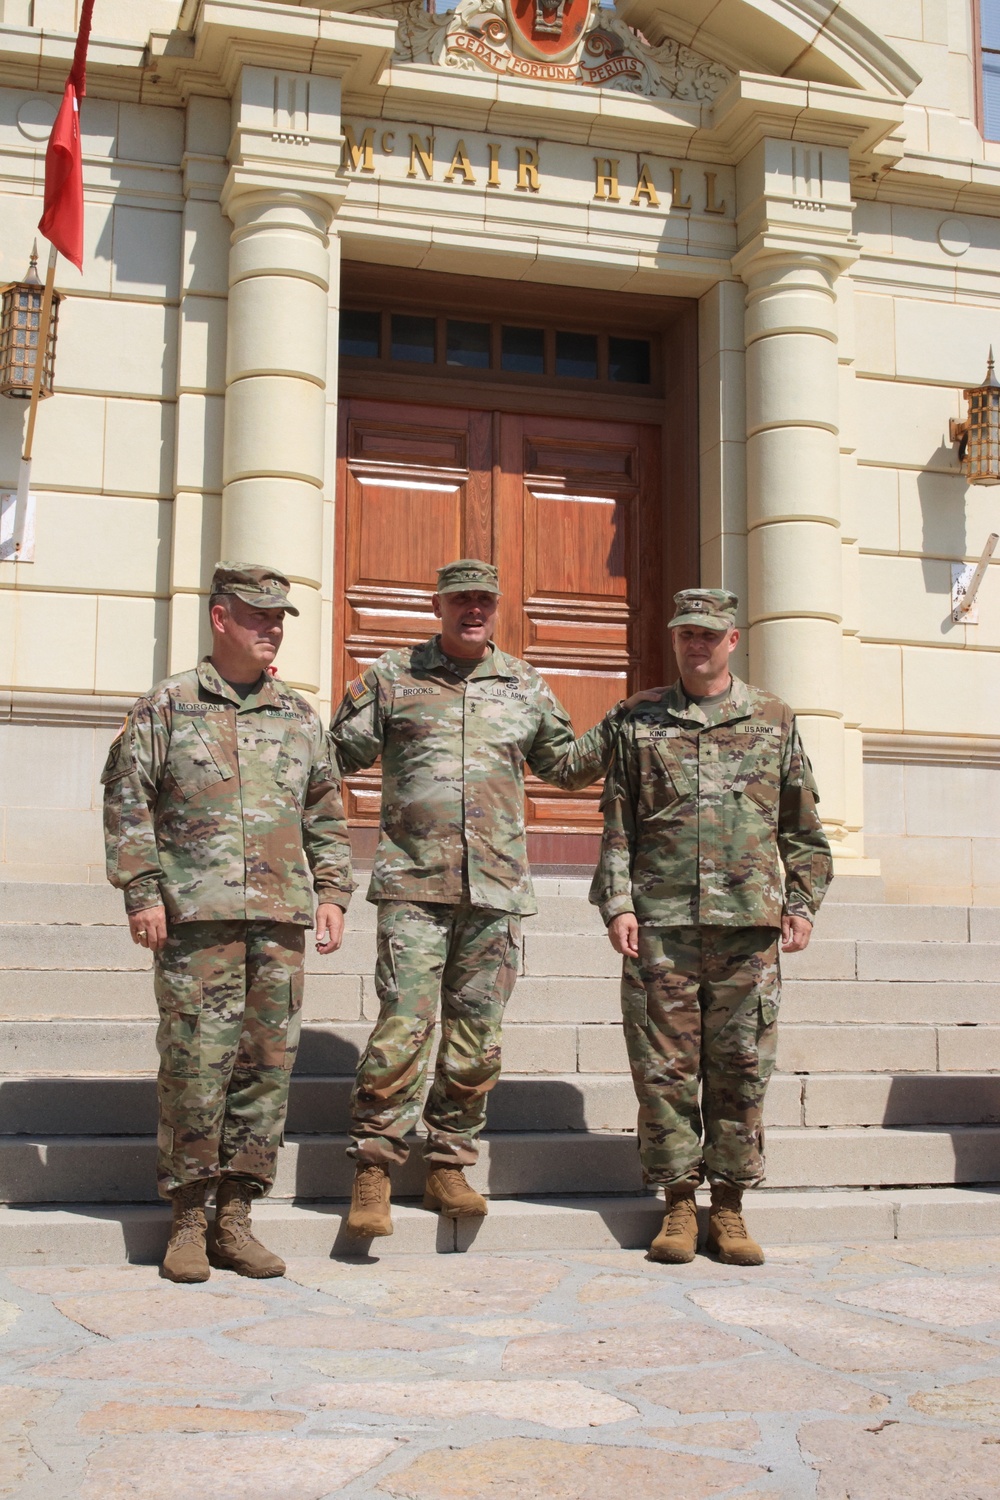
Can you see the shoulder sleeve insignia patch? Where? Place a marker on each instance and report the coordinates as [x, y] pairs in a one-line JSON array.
[[357, 689], [121, 758]]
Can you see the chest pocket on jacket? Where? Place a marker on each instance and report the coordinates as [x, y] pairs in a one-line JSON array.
[[418, 710], [293, 761], [758, 777], [195, 760], [664, 779]]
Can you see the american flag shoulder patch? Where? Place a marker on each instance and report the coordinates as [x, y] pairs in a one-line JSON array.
[[358, 688]]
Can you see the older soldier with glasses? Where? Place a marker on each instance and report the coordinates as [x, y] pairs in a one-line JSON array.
[[455, 721], [710, 786], [216, 782]]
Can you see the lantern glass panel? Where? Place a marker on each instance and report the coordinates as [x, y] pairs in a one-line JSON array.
[[20, 314]]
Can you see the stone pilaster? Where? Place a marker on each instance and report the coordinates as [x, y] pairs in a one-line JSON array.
[[202, 315]]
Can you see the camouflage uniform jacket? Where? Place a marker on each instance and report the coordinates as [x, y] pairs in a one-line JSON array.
[[453, 755], [208, 802], [698, 805]]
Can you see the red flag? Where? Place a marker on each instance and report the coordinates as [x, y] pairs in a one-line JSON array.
[[62, 221]]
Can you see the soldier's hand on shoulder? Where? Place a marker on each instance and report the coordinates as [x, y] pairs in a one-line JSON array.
[[149, 928], [795, 933], [648, 695], [623, 933]]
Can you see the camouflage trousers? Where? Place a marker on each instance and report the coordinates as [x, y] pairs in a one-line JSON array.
[[230, 1002], [467, 957], [700, 1005]]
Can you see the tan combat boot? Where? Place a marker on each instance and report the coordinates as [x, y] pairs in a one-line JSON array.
[[234, 1246], [448, 1192], [727, 1233], [370, 1196], [185, 1259], [677, 1240]]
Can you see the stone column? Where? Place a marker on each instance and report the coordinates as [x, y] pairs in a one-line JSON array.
[[793, 506], [281, 203], [800, 241]]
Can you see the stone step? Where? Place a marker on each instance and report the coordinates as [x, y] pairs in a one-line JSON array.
[[87, 1047], [89, 994], [43, 901], [856, 890], [884, 1002], [41, 994], [101, 905], [69, 949], [65, 1047], [100, 1234], [26, 946], [120, 1169], [927, 962], [843, 959], [895, 924], [115, 1105], [50, 994], [127, 1106], [910, 1099]]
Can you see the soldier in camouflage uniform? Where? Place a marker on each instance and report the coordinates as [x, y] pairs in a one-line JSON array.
[[214, 784], [455, 721], [709, 786]]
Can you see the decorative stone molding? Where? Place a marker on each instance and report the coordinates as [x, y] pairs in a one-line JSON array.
[[286, 140], [932, 749], [75, 710], [478, 37]]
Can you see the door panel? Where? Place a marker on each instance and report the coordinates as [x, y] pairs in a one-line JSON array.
[[568, 508], [413, 487], [576, 499]]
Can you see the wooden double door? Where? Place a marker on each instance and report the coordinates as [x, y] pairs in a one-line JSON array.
[[569, 508]]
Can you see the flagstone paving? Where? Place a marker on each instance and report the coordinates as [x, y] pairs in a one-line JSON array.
[[829, 1373]]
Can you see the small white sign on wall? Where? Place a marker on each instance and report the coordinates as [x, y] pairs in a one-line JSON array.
[[967, 580], [17, 532]]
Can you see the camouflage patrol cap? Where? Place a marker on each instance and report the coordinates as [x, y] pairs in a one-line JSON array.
[[264, 588], [712, 609], [468, 575]]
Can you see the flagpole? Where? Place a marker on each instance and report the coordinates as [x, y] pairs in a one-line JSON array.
[[62, 225], [41, 352]]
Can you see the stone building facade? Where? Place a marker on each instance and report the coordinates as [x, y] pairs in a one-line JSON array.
[[788, 204]]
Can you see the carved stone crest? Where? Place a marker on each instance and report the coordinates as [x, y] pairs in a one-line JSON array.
[[553, 41]]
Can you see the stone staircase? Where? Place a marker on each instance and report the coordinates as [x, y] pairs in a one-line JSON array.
[[883, 1119]]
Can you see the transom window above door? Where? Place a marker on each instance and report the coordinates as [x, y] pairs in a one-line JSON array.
[[506, 349]]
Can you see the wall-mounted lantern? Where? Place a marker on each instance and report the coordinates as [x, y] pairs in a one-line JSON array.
[[978, 439], [20, 316]]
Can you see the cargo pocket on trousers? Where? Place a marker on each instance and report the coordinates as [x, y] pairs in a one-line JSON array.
[[515, 949], [496, 984], [184, 1042], [635, 1006], [293, 1028]]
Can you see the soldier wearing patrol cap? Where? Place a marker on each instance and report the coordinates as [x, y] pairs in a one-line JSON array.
[[709, 788], [455, 720], [217, 781]]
